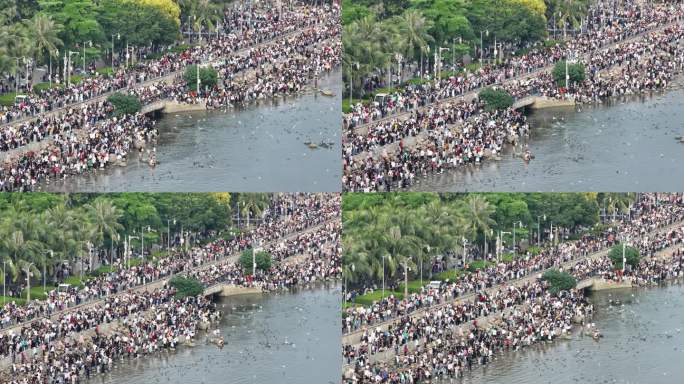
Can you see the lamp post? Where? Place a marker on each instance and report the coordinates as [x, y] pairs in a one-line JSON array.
[[383, 276], [501, 233], [439, 66], [465, 243], [56, 52], [491, 232], [406, 269], [539, 228], [4, 277], [351, 80], [515, 248], [69, 67], [28, 282], [481, 45], [52, 257], [90, 44], [118, 37], [346, 288]]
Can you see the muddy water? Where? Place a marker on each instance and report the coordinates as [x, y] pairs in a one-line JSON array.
[[255, 149], [626, 145]]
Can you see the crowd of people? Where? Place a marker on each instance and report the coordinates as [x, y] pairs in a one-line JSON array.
[[243, 26], [86, 137], [448, 134], [287, 216], [55, 349], [647, 222], [444, 341]]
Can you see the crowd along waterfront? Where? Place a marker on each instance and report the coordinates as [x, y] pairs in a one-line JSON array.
[[434, 128], [643, 343], [255, 148], [615, 146], [281, 55], [269, 338]]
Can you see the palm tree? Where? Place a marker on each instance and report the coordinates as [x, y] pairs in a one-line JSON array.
[[204, 13], [253, 203], [414, 29], [44, 33], [105, 218], [478, 212]]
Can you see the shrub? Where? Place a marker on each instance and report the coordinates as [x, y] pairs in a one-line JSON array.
[[479, 264], [186, 287], [575, 72], [496, 99], [631, 254], [451, 275], [263, 260], [208, 77], [559, 281], [125, 104], [102, 270]]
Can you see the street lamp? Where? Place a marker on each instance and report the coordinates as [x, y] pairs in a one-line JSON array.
[[90, 44], [28, 282], [168, 237], [56, 53], [481, 45], [399, 59], [118, 37], [438, 67], [346, 288], [539, 229], [465, 243], [68, 70], [351, 80], [383, 276], [52, 257], [501, 233], [515, 248], [4, 278]]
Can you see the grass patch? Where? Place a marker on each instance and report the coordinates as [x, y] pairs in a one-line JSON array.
[[40, 87], [534, 250], [370, 298], [346, 107], [472, 67], [414, 286], [479, 264], [103, 269], [507, 257], [180, 48], [7, 99], [76, 281], [9, 299], [160, 254], [133, 262], [37, 293], [451, 275], [76, 79], [105, 71]]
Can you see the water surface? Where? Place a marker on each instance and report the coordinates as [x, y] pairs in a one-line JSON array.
[[624, 145], [271, 338], [255, 149]]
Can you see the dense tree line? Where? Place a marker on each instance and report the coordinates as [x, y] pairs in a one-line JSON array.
[[38, 29], [375, 32], [415, 228], [48, 229]]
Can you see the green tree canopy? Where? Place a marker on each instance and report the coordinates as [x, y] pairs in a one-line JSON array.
[[631, 254], [559, 281], [263, 260], [575, 72]]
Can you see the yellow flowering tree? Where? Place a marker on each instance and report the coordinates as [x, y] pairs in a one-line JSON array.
[[169, 7]]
